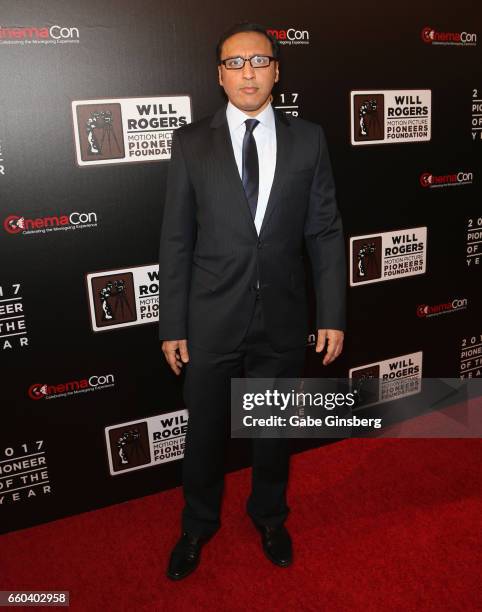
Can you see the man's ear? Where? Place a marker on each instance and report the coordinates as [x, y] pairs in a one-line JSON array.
[[276, 77], [220, 76]]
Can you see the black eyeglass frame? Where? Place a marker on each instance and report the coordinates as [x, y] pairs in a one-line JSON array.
[[248, 59]]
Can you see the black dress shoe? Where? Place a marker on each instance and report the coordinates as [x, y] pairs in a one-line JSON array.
[[276, 544], [185, 556]]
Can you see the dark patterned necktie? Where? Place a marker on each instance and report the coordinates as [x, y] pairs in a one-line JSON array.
[[250, 166]]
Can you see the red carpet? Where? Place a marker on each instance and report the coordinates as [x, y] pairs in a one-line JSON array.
[[389, 525]]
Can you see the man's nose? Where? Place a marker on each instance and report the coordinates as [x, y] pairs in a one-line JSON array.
[[248, 70]]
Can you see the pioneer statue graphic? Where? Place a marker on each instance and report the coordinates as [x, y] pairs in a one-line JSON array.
[[368, 116], [113, 298], [128, 438], [102, 121], [364, 388], [365, 253]]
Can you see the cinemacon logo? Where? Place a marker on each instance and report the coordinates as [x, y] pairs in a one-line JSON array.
[[431, 36], [55, 32], [39, 391], [14, 224], [424, 310], [427, 179], [290, 35]]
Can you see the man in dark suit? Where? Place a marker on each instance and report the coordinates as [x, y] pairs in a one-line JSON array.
[[246, 189]]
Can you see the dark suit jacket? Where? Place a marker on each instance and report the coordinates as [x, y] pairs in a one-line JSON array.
[[210, 252]]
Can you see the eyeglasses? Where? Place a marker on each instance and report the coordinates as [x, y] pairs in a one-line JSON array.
[[256, 61]]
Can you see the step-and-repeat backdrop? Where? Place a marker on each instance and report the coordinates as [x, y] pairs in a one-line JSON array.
[[91, 94]]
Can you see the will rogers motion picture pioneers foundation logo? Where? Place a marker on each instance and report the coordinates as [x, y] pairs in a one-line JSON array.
[[124, 130], [123, 297], [428, 179], [432, 37], [388, 255], [39, 391], [144, 443], [388, 379], [14, 224], [390, 116]]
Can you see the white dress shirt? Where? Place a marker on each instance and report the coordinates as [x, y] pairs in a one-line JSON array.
[[265, 137]]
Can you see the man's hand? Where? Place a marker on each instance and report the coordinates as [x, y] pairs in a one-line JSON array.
[[335, 343], [175, 352]]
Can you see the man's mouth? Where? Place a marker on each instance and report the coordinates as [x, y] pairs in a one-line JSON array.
[[249, 90]]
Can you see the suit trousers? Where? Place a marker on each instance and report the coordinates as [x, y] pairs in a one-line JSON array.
[[207, 396]]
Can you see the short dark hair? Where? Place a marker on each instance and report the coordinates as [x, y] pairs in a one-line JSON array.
[[246, 26]]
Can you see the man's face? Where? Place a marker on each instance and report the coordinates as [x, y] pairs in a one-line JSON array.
[[248, 88]]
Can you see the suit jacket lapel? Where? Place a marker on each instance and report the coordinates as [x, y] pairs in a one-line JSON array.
[[284, 141], [227, 164]]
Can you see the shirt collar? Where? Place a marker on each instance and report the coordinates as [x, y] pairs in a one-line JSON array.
[[236, 117]]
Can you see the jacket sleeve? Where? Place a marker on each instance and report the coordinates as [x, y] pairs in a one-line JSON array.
[[326, 245], [178, 235]]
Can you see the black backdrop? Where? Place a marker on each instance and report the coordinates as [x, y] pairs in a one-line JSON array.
[[53, 446]]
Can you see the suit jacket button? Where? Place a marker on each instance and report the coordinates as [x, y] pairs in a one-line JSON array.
[[260, 245]]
